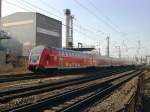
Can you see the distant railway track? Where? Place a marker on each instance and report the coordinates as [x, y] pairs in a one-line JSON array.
[[7, 97], [27, 76]]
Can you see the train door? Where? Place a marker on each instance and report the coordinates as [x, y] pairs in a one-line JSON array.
[[61, 60]]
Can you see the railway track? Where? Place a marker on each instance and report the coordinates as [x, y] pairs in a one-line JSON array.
[[71, 93], [7, 95], [27, 76], [84, 102]]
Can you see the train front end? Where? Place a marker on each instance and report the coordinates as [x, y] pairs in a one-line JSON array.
[[34, 63]]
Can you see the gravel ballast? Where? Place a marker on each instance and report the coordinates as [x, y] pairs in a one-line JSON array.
[[117, 99]]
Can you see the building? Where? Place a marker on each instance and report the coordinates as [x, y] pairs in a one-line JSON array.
[[31, 29]]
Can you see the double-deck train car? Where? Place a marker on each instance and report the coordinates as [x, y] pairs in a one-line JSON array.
[[42, 58]]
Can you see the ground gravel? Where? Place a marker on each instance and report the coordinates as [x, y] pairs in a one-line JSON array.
[[117, 99]]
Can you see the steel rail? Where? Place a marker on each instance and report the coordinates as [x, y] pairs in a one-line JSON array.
[[27, 76], [84, 103], [62, 97], [8, 95]]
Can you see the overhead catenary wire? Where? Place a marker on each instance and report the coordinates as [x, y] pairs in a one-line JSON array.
[[95, 15], [50, 6], [92, 29], [104, 15], [122, 33], [42, 9], [48, 12], [31, 8], [26, 9], [16, 5], [82, 32]]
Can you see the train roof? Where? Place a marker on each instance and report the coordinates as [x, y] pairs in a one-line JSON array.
[[40, 48]]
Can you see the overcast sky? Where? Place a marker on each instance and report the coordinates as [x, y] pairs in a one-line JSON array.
[[125, 21]]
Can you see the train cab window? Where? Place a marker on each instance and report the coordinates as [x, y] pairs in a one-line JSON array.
[[35, 58]]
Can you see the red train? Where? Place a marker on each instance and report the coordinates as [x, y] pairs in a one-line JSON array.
[[42, 58]]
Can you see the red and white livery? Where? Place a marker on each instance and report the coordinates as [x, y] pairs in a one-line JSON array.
[[43, 58]]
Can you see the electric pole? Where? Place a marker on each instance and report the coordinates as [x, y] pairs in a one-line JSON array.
[[99, 49], [119, 51], [108, 38]]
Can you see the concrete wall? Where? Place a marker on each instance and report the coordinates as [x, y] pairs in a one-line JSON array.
[[21, 26], [31, 29], [49, 31]]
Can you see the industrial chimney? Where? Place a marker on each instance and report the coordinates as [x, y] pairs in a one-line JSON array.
[[69, 28]]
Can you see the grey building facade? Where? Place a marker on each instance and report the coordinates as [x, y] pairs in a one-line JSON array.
[[32, 29]]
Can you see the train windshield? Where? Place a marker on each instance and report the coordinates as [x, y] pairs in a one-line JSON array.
[[35, 54], [35, 58]]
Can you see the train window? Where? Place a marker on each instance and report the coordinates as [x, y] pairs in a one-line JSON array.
[[65, 53], [47, 59], [75, 54], [60, 53], [34, 58], [68, 53]]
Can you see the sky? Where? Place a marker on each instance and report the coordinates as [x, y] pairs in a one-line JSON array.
[[126, 22]]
